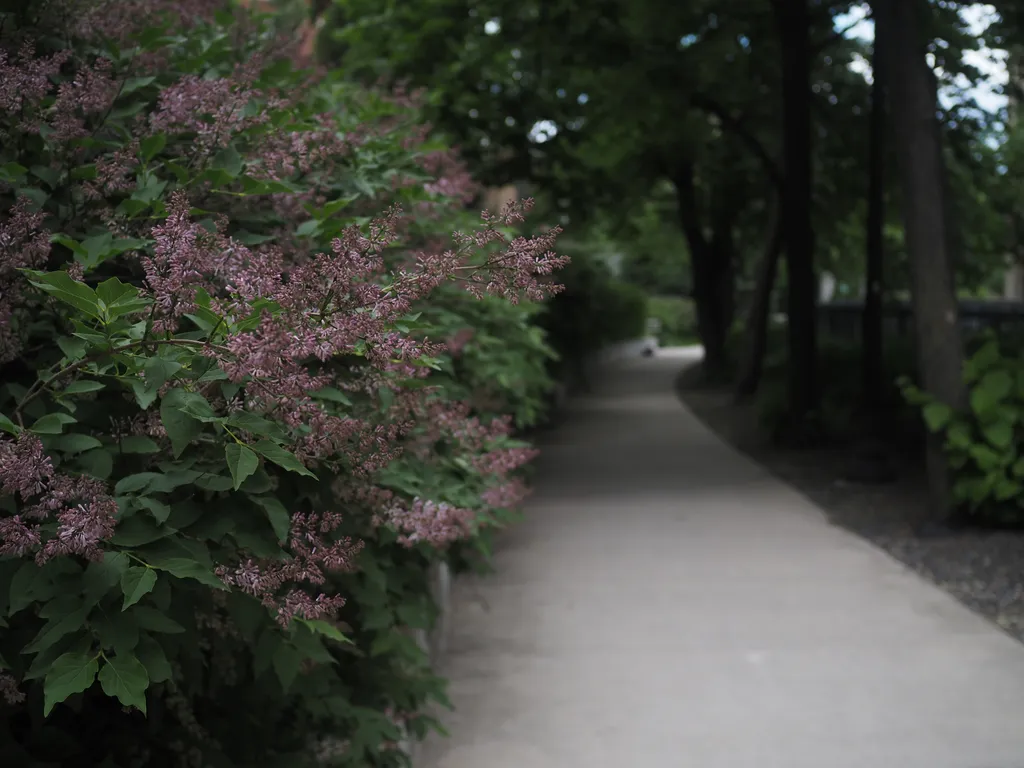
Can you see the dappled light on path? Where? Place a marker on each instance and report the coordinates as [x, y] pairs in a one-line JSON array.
[[668, 602]]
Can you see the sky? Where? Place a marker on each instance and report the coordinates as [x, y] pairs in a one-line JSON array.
[[990, 62]]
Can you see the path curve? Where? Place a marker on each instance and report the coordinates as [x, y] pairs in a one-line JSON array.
[[669, 604]]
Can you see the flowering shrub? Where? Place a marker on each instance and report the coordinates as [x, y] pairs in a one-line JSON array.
[[252, 389]]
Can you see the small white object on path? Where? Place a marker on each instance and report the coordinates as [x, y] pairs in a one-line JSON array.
[[667, 603]]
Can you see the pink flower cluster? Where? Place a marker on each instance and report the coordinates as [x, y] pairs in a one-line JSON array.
[[214, 110], [25, 78], [23, 244], [431, 522], [315, 552], [83, 510]]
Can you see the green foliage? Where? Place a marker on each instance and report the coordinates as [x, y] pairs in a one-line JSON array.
[[985, 441], [676, 317]]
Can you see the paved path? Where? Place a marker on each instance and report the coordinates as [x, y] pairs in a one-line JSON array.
[[668, 604]]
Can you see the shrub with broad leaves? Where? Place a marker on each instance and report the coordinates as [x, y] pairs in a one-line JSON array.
[[253, 386], [984, 442]]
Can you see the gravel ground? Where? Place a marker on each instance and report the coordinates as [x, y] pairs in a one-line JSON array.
[[982, 569]]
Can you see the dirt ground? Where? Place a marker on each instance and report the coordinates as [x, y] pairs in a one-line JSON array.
[[983, 569]]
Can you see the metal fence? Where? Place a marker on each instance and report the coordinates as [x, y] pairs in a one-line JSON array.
[[842, 319]]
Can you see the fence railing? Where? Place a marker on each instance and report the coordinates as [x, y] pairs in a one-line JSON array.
[[842, 319]]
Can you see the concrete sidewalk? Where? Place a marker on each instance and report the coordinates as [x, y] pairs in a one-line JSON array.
[[668, 604]]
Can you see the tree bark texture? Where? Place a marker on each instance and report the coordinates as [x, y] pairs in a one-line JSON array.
[[759, 315], [918, 144], [793, 19], [872, 329], [712, 262]]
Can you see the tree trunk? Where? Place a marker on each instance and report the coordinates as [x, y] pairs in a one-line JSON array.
[[793, 21], [922, 165], [759, 314], [872, 318], [711, 262]]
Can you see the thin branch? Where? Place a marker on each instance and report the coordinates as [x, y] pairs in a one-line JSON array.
[[837, 35], [736, 126], [42, 384]]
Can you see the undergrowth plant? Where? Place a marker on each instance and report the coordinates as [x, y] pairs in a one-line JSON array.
[[984, 442], [252, 388]]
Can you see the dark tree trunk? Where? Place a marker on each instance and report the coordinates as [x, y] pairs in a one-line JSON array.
[[793, 21], [712, 265], [918, 146], [759, 314], [872, 319]]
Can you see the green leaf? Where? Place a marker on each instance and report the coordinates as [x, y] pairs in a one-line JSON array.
[[269, 644], [112, 291], [273, 452], [287, 662], [999, 434], [139, 444], [991, 390], [136, 583], [125, 678], [308, 228], [136, 482], [118, 631], [258, 482], [8, 426], [181, 428], [133, 84], [52, 423], [62, 286], [247, 613], [184, 568], [149, 188], [936, 415], [280, 518], [96, 463], [257, 425], [49, 175], [82, 386], [144, 393], [100, 576], [154, 621], [986, 459], [55, 629], [158, 509], [138, 530], [332, 394], [326, 629], [196, 406], [12, 172], [152, 656], [150, 146], [242, 462], [70, 674], [30, 583], [214, 482], [229, 161], [158, 371], [73, 348], [77, 443]]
